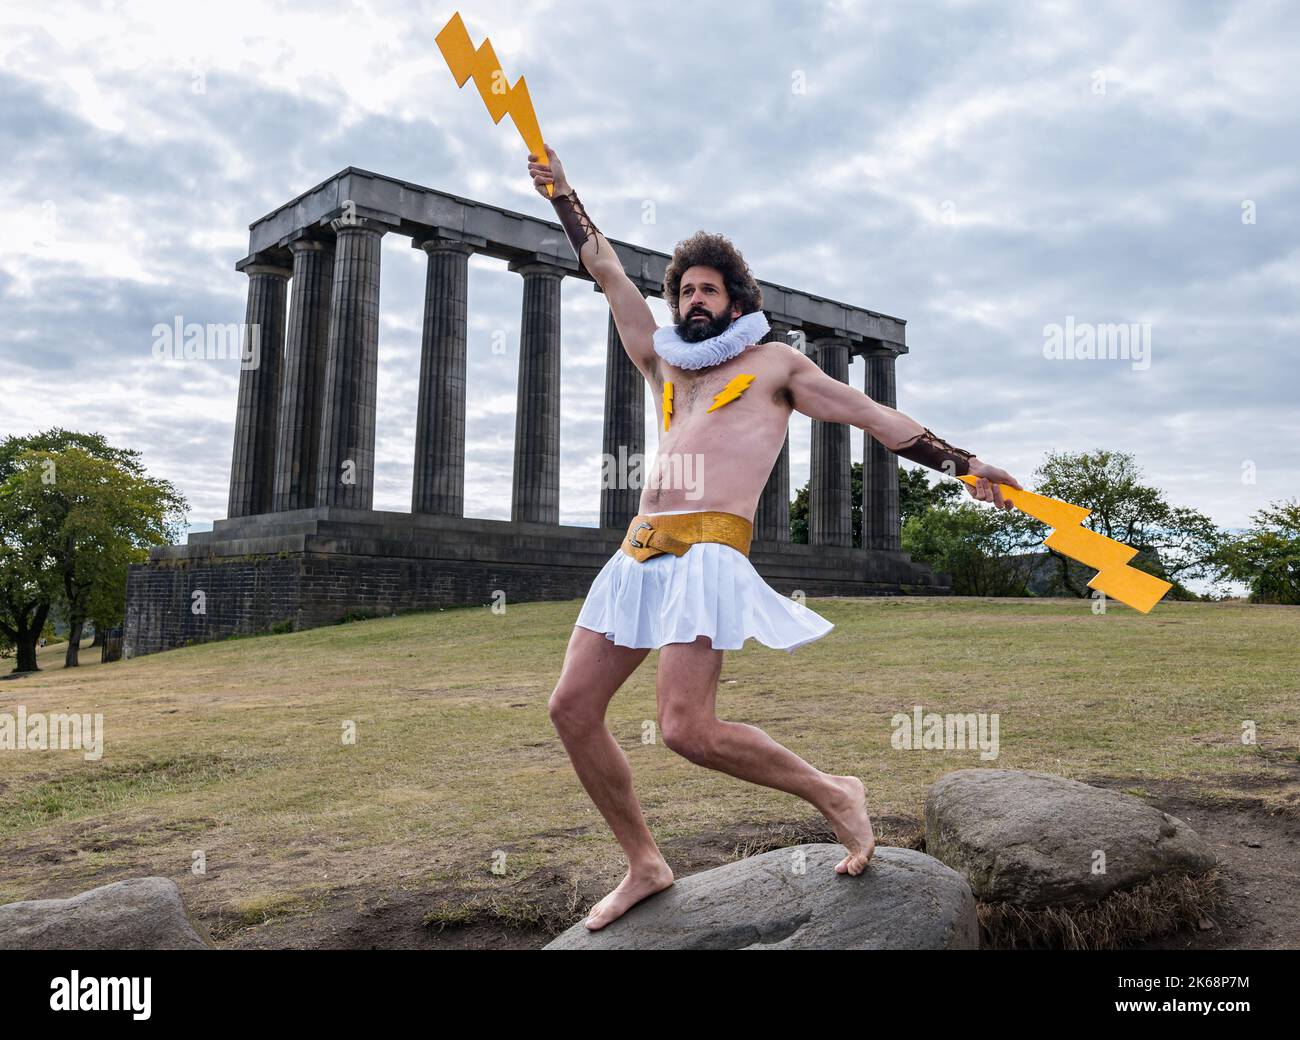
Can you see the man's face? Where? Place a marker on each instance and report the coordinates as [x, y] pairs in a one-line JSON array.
[[704, 305]]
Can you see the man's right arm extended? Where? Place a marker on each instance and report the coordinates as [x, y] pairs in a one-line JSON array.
[[636, 325]]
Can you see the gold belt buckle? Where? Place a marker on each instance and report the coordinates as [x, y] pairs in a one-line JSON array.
[[632, 536]]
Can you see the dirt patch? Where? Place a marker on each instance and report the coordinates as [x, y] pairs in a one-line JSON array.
[[357, 919], [1258, 850], [525, 915]]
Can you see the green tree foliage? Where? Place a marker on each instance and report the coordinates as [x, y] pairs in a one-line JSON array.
[[74, 514], [999, 553], [915, 495], [29, 584], [986, 551], [1173, 542], [1267, 557], [799, 518], [57, 439]]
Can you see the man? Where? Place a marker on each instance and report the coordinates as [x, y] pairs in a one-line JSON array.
[[682, 582]]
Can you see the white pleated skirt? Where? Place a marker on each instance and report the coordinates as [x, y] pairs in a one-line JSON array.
[[710, 590]]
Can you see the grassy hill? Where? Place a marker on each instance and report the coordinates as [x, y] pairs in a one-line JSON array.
[[458, 784]]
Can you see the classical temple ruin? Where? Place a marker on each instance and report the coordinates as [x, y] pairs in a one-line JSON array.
[[302, 545]]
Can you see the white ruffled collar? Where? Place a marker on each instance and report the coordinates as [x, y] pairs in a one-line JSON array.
[[723, 347]]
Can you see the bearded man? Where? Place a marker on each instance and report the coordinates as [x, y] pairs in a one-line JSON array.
[[681, 582]]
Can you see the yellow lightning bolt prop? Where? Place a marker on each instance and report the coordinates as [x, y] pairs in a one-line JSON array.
[[465, 61], [668, 402], [731, 391], [1114, 577]]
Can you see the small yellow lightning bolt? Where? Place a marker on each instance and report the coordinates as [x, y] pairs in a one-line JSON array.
[[481, 63], [668, 402], [731, 391], [1114, 577]]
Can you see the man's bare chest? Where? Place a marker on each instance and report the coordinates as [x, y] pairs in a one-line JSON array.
[[741, 387]]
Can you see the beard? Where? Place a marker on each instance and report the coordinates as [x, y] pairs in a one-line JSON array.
[[697, 331]]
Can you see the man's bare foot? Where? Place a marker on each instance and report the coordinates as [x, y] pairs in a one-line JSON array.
[[636, 886], [848, 815]]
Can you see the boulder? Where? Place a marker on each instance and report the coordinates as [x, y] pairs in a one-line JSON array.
[[136, 914], [1032, 839], [792, 899]]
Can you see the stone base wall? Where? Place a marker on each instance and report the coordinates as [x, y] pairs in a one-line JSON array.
[[312, 567], [249, 594]]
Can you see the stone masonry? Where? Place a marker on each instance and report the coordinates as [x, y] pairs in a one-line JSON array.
[[302, 545]]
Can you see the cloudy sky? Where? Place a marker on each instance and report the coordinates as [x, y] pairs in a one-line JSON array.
[[983, 171]]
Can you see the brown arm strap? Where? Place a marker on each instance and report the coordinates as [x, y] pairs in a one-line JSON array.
[[931, 451], [577, 225]]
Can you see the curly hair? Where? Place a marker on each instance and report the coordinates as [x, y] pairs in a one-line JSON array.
[[708, 250]]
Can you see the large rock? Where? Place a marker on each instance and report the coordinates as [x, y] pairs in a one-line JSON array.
[[792, 899], [1032, 838], [136, 914]]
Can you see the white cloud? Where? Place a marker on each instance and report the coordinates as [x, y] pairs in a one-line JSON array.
[[143, 138]]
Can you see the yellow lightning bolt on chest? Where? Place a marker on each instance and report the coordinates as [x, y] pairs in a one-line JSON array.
[[734, 388]]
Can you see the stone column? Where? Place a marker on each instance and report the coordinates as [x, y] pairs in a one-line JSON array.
[[439, 484], [830, 505], [772, 517], [303, 377], [345, 469], [623, 437], [252, 468], [536, 483], [780, 333], [880, 515]]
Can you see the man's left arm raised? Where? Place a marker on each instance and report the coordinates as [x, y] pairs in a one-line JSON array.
[[819, 396]]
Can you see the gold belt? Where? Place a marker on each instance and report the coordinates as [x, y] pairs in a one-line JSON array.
[[649, 536]]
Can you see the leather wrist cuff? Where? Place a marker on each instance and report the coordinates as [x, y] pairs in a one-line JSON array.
[[934, 452], [577, 225]]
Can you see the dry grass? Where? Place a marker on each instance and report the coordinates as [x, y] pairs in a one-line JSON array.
[[233, 751], [1164, 904]]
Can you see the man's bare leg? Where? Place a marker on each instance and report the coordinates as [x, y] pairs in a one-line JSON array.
[[687, 686], [594, 669]]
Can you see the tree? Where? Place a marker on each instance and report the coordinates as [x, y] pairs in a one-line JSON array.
[[995, 552], [982, 548], [1267, 557], [1173, 542], [28, 579], [801, 510], [57, 439], [915, 495], [799, 513], [74, 513]]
